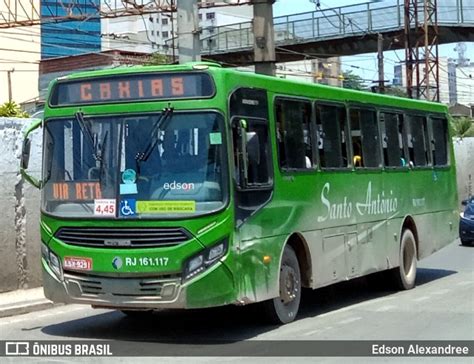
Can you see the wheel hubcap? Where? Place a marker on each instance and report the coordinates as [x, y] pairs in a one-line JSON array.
[[288, 284]]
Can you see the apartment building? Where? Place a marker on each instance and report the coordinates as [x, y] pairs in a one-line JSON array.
[[447, 79], [158, 32]]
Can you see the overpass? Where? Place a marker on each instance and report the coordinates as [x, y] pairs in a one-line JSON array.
[[342, 31]]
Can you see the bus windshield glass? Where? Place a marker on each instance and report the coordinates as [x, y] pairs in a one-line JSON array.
[[143, 166]]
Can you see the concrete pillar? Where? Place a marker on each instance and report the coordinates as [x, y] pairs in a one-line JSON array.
[[188, 31], [264, 38]]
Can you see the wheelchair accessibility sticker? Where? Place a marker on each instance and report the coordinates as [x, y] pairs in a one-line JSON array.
[[128, 207]]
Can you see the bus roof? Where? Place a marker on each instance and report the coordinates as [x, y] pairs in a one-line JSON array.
[[273, 84]]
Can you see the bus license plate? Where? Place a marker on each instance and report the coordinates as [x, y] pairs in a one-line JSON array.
[[77, 263]]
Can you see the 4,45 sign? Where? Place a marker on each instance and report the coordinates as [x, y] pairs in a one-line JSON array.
[[104, 207]]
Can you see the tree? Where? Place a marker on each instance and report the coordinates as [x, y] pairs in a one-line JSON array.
[[352, 81], [157, 59], [11, 109], [463, 127], [396, 91]]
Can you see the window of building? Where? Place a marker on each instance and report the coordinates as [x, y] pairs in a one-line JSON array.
[[439, 141], [364, 138], [293, 119], [165, 34], [416, 140], [210, 16], [391, 126], [200, 16], [164, 21], [331, 135]]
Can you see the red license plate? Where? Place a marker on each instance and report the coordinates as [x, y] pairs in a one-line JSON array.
[[77, 263]]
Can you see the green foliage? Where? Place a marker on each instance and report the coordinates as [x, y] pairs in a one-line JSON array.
[[353, 81], [463, 127], [157, 59], [396, 91], [11, 109]]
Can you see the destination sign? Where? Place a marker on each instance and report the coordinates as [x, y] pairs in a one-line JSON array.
[[129, 88], [75, 191]]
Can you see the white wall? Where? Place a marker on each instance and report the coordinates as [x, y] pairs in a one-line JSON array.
[[19, 220], [464, 154], [20, 50]]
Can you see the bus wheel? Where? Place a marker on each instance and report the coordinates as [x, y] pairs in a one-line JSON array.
[[405, 274], [283, 309]]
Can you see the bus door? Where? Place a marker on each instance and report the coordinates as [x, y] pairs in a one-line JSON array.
[[253, 173]]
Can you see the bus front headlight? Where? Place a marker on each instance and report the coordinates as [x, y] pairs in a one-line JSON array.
[[52, 259], [54, 264], [205, 259]]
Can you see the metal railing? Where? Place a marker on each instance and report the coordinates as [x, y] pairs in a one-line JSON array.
[[353, 20]]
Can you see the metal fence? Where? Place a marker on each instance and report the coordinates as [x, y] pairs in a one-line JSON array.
[[333, 23]]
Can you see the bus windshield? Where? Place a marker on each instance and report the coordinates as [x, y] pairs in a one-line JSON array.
[[142, 166]]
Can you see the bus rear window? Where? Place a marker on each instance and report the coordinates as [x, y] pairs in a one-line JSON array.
[[132, 88], [417, 140], [439, 141]]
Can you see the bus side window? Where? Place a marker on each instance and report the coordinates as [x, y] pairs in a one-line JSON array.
[[417, 140], [364, 138], [293, 133], [392, 139], [439, 141], [331, 127], [253, 168]]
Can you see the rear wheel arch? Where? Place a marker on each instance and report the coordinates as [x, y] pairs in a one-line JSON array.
[[300, 246]]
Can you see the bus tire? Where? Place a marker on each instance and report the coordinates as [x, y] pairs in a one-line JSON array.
[[283, 309], [404, 275]]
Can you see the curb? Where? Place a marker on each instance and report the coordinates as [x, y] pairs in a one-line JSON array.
[[21, 308]]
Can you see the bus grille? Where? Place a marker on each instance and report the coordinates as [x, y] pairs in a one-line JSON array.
[[82, 285], [123, 238]]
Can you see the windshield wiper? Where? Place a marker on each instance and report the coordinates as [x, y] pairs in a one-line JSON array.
[[98, 148], [100, 155], [86, 129], [155, 136]]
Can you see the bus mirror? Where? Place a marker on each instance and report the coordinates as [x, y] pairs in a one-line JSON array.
[[25, 153], [464, 202]]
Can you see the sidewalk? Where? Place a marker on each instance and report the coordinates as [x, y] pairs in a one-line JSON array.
[[23, 301]]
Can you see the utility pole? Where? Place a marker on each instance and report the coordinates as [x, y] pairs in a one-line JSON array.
[[9, 78], [188, 31], [380, 63], [264, 38], [173, 51], [421, 34]]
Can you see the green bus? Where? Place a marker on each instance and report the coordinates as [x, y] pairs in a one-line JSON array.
[[189, 186]]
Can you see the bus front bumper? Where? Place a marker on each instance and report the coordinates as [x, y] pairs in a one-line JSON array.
[[138, 293]]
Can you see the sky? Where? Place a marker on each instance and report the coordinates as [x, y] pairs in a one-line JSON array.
[[366, 63]]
